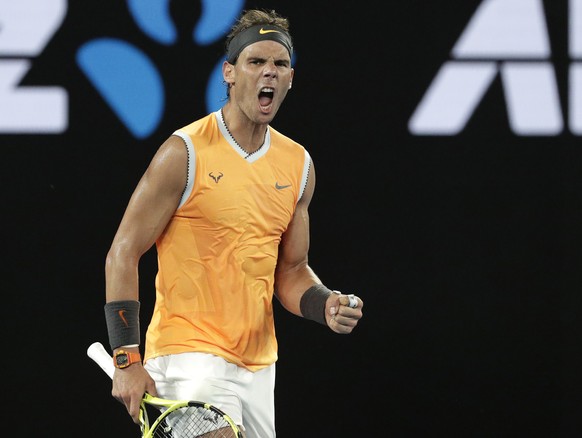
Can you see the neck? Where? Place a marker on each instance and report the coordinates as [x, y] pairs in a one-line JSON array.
[[247, 135]]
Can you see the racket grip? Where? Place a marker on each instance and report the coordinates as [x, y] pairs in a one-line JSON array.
[[97, 352]]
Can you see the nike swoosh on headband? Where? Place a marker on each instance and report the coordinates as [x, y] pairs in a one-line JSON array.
[[253, 34], [263, 31]]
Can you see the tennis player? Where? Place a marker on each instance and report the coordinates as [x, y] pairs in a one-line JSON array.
[[225, 201]]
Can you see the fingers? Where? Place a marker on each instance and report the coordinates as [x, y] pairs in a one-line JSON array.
[[151, 389], [342, 325], [352, 301], [345, 317], [134, 410], [132, 404]]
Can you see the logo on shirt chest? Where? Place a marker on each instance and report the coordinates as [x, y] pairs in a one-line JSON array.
[[216, 176], [281, 187]]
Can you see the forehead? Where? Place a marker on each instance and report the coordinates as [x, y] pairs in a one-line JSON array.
[[265, 49]]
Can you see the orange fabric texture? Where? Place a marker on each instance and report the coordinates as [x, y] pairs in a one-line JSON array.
[[217, 256]]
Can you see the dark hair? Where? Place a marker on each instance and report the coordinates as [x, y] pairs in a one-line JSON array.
[[252, 17]]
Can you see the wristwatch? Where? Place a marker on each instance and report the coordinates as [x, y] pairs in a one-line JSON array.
[[123, 359]]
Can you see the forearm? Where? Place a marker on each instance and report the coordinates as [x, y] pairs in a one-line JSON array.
[[291, 284], [121, 279], [122, 299]]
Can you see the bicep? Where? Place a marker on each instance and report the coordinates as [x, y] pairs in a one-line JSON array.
[[154, 199], [295, 241], [293, 275]]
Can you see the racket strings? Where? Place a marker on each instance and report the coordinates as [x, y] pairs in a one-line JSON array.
[[190, 422]]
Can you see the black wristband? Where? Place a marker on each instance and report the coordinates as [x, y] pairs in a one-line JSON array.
[[122, 318], [312, 304]]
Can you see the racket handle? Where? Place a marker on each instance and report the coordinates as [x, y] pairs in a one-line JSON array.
[[97, 352]]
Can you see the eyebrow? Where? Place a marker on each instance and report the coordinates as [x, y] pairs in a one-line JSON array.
[[263, 58]]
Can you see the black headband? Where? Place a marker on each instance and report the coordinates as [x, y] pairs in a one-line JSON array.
[[260, 32]]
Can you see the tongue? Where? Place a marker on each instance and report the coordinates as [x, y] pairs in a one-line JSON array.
[[264, 100]]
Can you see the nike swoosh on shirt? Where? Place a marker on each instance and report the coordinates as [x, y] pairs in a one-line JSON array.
[[278, 187]]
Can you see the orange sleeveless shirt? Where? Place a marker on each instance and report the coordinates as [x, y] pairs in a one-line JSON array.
[[217, 255]]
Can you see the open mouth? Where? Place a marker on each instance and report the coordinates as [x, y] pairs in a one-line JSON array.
[[266, 96]]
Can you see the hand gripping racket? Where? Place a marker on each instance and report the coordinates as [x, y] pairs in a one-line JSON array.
[[173, 418]]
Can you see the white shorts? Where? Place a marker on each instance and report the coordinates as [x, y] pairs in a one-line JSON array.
[[247, 397]]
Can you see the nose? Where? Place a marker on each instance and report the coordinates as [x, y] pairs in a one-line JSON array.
[[270, 69]]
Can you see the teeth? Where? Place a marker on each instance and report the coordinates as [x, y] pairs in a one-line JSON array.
[[267, 90]]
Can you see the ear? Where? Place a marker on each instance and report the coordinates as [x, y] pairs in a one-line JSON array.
[[228, 72]]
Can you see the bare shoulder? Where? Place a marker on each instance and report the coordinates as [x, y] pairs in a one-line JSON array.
[[309, 188], [173, 148], [169, 165]]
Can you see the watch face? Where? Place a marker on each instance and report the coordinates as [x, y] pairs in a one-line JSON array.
[[121, 359]]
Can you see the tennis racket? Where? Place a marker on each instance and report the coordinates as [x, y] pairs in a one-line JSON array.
[[173, 418]]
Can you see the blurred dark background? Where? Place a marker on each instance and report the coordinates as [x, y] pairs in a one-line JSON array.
[[465, 247]]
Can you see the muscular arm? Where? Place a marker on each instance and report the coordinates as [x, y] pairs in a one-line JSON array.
[[294, 276], [151, 206]]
